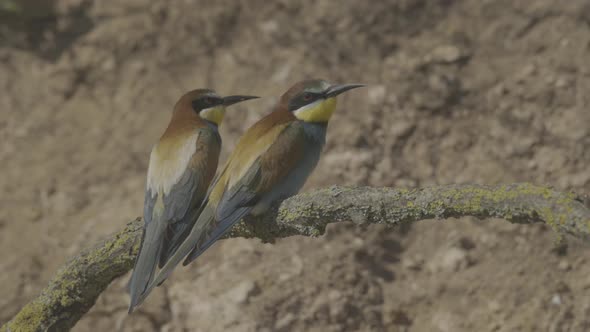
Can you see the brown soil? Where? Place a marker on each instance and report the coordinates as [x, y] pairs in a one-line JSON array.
[[459, 91]]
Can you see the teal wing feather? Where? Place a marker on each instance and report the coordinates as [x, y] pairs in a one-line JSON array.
[[182, 206], [184, 202]]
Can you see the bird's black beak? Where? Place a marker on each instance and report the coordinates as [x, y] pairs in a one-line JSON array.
[[230, 100], [337, 89]]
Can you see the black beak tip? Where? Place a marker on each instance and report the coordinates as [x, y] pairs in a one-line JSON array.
[[230, 100], [337, 89]]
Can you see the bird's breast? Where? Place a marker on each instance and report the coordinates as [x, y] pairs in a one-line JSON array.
[[315, 136], [315, 133], [168, 162]]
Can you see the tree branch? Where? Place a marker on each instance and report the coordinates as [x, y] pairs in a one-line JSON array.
[[75, 288]]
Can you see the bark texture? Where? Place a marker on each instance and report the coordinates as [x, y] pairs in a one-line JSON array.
[[77, 285]]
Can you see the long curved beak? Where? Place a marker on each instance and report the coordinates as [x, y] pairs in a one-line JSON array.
[[337, 89], [230, 100]]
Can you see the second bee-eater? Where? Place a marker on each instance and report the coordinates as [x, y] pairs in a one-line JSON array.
[[181, 167], [271, 162]]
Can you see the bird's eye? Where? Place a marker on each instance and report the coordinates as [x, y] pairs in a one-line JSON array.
[[208, 100], [307, 96]]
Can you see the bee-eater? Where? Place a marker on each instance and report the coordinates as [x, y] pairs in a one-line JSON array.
[[181, 167], [271, 162]]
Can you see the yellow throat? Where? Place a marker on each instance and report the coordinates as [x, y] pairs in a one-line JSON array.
[[319, 111], [213, 114]]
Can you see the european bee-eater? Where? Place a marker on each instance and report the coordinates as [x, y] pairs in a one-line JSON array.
[[182, 165], [271, 162]]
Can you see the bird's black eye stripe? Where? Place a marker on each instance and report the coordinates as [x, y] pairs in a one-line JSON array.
[[204, 102], [303, 99]]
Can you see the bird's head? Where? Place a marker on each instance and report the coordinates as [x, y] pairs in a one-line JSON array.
[[314, 100], [209, 105]]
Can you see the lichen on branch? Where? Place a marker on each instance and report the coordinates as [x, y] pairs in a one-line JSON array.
[[77, 285]]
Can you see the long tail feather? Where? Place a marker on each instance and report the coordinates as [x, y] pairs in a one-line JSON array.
[[175, 236], [219, 230], [146, 262], [184, 249]]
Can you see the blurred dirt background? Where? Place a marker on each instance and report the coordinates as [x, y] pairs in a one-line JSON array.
[[460, 91]]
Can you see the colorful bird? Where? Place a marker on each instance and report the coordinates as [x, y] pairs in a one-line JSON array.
[[271, 162], [182, 165]]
